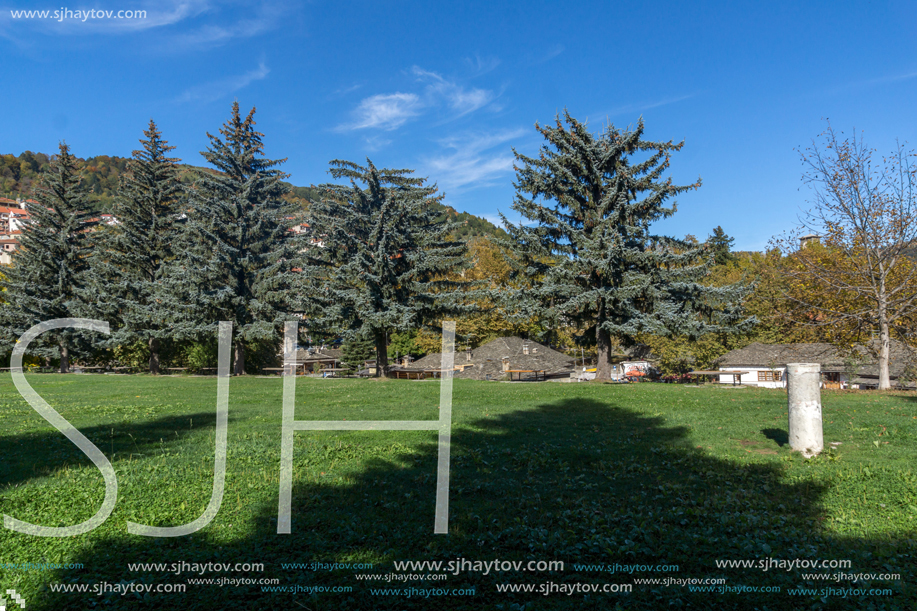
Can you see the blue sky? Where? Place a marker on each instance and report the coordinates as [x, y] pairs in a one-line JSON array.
[[448, 89]]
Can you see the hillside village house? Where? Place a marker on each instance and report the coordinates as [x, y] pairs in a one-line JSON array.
[[12, 218], [765, 365]]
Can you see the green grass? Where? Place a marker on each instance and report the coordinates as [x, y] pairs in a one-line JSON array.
[[582, 473]]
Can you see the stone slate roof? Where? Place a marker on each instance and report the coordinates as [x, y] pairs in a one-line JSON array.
[[316, 354], [828, 356], [486, 361], [768, 355]]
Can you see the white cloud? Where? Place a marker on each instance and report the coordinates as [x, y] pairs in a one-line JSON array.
[[389, 111], [385, 111], [472, 162], [452, 94], [214, 90]]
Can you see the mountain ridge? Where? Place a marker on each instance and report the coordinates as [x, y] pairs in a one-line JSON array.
[[19, 175]]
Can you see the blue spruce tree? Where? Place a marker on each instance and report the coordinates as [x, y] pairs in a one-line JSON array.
[[380, 257], [50, 268], [589, 248], [133, 253], [237, 247]]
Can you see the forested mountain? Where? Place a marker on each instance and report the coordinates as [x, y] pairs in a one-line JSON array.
[[19, 177]]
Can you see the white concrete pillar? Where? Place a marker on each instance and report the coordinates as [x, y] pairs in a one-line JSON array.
[[804, 407]]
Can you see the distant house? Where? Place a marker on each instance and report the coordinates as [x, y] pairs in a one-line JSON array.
[[493, 360], [321, 358], [12, 219], [7, 247], [765, 364]]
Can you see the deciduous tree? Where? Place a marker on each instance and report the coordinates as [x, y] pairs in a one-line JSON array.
[[859, 276]]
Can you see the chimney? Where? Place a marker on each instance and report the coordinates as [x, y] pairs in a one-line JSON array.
[[534, 349], [468, 355], [525, 347], [505, 363]]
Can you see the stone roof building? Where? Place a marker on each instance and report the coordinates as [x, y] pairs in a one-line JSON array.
[[492, 360], [766, 363]]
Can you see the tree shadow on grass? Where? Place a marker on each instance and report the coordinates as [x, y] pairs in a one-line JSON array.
[[778, 435], [578, 481], [38, 454]]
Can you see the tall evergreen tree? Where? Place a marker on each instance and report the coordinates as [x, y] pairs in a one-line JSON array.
[[237, 247], [590, 248], [721, 245], [133, 254], [384, 256], [50, 267]]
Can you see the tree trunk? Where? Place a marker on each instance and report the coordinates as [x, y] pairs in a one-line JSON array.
[[884, 349], [153, 343], [238, 359], [64, 356], [381, 354], [603, 345]]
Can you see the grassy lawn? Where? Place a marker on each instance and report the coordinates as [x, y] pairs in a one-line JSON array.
[[587, 474]]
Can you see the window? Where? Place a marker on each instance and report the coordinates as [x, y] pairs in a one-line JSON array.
[[770, 376]]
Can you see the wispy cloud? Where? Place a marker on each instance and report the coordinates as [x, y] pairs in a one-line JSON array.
[[385, 111], [881, 80], [99, 21], [389, 111], [157, 15], [260, 18], [481, 65], [454, 95], [375, 143], [342, 91], [552, 52], [472, 161], [641, 106], [214, 90], [183, 24]]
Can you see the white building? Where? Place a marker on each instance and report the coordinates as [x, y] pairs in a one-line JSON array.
[[765, 364]]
